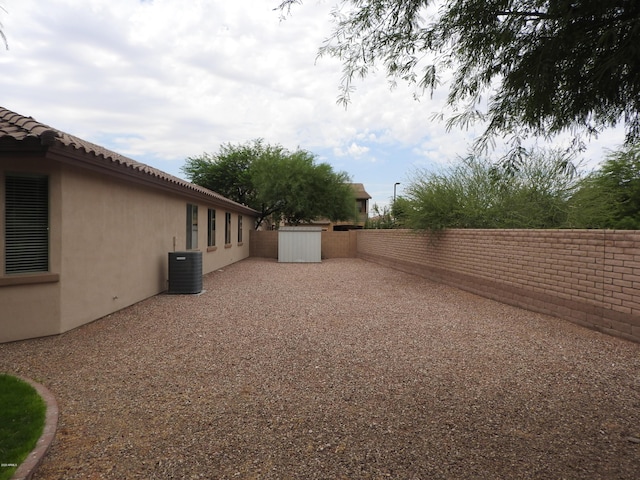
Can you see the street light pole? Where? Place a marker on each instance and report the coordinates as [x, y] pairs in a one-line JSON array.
[[394, 191]]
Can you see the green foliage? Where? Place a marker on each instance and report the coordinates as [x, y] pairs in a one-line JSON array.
[[544, 190], [610, 196], [542, 66], [289, 186], [380, 218], [399, 211], [464, 196], [388, 217], [299, 190], [22, 417], [227, 172], [476, 193]]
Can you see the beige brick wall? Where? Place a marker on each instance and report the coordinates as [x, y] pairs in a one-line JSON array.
[[264, 243], [339, 244], [590, 277]]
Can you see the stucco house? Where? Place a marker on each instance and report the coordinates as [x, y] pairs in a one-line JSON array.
[[362, 208], [85, 231]]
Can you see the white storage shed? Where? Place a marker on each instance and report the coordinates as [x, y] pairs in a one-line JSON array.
[[300, 244]]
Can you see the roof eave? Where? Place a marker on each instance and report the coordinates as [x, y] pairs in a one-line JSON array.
[[97, 163]]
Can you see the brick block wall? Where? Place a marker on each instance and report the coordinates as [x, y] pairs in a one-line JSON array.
[[590, 277], [264, 243], [339, 244]]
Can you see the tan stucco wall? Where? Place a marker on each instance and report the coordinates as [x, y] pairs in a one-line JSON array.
[[31, 309], [109, 244], [222, 255], [115, 238]]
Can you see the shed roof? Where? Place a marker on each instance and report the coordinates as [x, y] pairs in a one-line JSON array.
[[18, 132]]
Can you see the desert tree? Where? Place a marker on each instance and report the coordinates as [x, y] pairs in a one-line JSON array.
[[609, 197], [287, 185], [523, 67], [476, 192]]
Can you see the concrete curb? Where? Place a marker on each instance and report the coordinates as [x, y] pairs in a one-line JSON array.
[[28, 466]]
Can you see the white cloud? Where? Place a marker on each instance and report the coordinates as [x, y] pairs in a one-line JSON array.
[[354, 150], [167, 79], [357, 150]]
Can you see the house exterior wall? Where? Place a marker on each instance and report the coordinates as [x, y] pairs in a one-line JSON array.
[[30, 303], [590, 277], [214, 258], [109, 245], [116, 236]]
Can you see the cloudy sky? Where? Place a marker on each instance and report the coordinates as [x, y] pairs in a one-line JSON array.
[[163, 80]]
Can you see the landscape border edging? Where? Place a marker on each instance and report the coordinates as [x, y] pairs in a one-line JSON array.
[[27, 468]]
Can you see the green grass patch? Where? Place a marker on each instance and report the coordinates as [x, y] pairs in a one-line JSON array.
[[22, 417]]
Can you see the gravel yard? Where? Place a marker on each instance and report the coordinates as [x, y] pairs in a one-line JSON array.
[[343, 369]]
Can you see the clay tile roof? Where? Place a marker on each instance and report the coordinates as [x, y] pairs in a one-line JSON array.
[[15, 128]]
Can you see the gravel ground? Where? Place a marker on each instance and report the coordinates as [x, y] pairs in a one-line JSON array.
[[343, 369]]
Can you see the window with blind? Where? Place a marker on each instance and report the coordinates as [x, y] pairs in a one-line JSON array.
[[211, 228], [227, 228], [26, 224], [192, 227]]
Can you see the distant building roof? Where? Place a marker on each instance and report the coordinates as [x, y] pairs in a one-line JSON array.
[[18, 132], [360, 192]]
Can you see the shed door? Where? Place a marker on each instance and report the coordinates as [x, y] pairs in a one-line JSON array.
[[299, 246]]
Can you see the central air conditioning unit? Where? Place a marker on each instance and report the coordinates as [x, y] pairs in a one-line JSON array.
[[185, 272]]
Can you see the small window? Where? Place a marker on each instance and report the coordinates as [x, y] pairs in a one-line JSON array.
[[26, 232], [192, 227], [211, 228], [239, 228], [227, 228]]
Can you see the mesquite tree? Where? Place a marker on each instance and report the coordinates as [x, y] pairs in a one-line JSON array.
[[542, 66], [278, 183]]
